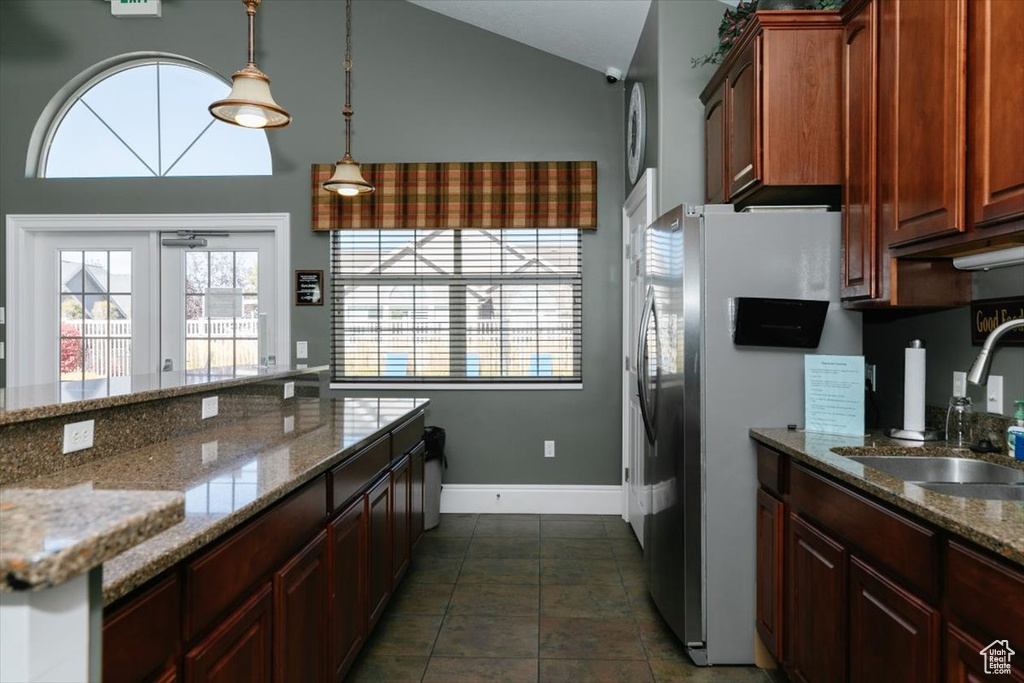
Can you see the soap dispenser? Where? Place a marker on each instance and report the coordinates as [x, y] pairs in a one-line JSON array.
[[1016, 427]]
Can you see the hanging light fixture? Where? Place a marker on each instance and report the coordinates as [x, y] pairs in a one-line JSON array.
[[348, 180], [250, 104]]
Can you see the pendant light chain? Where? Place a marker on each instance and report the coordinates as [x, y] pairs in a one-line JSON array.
[[347, 110]]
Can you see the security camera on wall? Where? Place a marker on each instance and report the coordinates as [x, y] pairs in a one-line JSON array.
[[612, 75]]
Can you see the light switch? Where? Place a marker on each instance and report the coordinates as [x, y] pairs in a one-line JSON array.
[[301, 349], [994, 395]]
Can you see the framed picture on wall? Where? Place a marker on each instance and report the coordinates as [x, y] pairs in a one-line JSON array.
[[309, 288]]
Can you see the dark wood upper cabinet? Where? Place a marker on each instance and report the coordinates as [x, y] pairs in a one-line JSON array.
[[401, 488], [922, 123], [379, 541], [894, 635], [300, 615], [238, 649], [348, 589], [816, 611], [770, 540], [743, 94], [860, 87], [715, 181], [142, 638], [995, 76]]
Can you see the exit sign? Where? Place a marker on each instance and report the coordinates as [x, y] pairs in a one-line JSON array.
[[135, 8]]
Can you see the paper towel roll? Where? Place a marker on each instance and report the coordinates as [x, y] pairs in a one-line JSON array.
[[913, 387]]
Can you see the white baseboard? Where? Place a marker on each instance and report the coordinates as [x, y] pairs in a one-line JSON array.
[[532, 499]]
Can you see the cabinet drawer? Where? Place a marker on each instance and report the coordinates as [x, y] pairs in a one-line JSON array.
[[984, 593], [906, 549], [358, 472], [140, 638], [407, 435], [772, 468], [220, 576]]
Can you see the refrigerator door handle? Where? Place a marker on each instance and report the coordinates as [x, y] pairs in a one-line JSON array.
[[642, 373]]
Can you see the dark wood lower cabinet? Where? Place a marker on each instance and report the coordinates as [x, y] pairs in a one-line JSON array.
[[239, 648], [965, 663], [816, 613], [300, 615], [894, 635], [347, 630], [770, 540], [417, 462], [141, 639], [379, 539], [401, 486]]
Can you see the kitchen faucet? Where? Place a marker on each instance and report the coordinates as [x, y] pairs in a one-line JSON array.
[[978, 374]]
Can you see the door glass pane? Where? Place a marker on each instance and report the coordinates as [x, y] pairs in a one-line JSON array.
[[95, 327]]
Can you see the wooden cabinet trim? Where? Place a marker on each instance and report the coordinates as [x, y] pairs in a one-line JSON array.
[[349, 565], [772, 470], [971, 581], [300, 615], [771, 517], [743, 126], [356, 473], [248, 625], [407, 435], [716, 148], [379, 540], [142, 637]]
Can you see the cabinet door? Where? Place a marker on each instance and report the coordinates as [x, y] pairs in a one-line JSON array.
[[995, 75], [922, 119], [300, 615], [816, 613], [744, 124], [894, 636], [770, 520], [142, 637], [379, 538], [860, 257], [348, 562], [401, 486], [966, 664], [239, 649], [418, 465], [715, 182]]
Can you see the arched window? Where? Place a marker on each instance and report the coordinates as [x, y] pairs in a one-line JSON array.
[[142, 115]]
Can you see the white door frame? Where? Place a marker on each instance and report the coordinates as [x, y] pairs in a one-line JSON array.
[[644, 191], [23, 228]]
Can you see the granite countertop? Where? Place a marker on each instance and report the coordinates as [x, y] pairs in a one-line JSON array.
[[46, 539], [39, 401], [993, 524], [227, 473]]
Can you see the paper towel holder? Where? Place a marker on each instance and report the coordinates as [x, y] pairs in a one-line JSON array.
[[913, 434]]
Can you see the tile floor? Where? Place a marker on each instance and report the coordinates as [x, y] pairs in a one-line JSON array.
[[513, 598]]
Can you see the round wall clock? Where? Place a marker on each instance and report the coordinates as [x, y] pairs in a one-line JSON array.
[[636, 132]]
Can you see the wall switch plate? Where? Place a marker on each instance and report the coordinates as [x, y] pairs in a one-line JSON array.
[[289, 389], [870, 377], [301, 366], [994, 395], [78, 435], [301, 349], [3, 315], [210, 452], [210, 407], [549, 449], [289, 424], [3, 351], [959, 383]]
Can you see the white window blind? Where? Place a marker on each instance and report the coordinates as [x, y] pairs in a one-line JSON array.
[[457, 305]]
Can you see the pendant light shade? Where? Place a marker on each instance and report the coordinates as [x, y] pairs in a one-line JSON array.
[[348, 180], [250, 104]]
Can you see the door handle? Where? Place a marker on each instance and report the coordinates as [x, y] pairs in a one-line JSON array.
[[642, 365]]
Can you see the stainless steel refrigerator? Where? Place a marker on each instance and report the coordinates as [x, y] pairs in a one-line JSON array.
[[700, 393]]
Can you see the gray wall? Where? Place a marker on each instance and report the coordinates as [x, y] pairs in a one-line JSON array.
[[425, 88], [948, 338]]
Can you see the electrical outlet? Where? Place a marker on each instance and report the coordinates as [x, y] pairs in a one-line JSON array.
[[959, 383], [301, 349], [78, 436], [870, 377], [3, 351], [301, 366], [210, 407], [3, 315], [549, 449], [994, 395], [210, 452], [289, 424], [289, 389]]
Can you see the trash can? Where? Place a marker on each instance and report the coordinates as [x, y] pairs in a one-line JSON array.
[[434, 438]]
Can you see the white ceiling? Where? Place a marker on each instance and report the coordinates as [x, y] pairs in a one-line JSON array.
[[595, 33]]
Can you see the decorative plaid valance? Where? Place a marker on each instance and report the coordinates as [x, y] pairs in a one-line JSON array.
[[481, 195]]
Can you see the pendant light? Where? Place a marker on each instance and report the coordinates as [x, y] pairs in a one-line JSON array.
[[250, 104], [348, 180]]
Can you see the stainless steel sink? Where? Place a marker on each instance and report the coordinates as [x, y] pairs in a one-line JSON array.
[[947, 470], [1010, 492]]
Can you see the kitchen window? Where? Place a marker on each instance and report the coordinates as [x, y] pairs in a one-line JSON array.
[[457, 306]]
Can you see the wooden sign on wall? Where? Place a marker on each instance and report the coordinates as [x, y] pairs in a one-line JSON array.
[[988, 314]]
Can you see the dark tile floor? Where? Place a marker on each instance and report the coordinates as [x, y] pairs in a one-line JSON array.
[[529, 598]]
